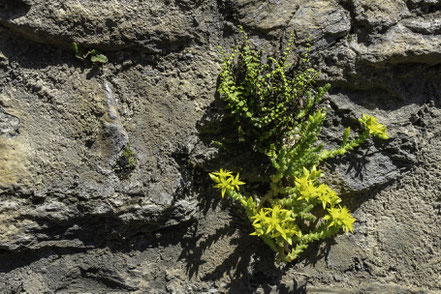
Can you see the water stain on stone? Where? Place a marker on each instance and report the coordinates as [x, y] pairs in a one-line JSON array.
[[9, 125], [13, 161]]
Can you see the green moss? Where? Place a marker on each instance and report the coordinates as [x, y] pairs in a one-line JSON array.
[[126, 163]]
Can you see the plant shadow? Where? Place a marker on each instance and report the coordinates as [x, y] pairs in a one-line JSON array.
[[250, 266]]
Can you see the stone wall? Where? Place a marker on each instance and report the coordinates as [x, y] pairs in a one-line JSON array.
[[69, 223]]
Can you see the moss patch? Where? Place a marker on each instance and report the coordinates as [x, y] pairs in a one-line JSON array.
[[126, 163]]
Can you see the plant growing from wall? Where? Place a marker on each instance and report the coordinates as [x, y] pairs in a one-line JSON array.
[[277, 109], [92, 55], [126, 163]]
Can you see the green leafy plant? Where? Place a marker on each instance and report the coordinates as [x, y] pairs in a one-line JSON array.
[[126, 163], [277, 109], [93, 55], [264, 97]]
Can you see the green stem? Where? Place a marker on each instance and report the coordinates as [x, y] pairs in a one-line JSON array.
[[325, 154]]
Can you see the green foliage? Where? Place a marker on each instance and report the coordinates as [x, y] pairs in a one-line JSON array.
[[277, 110], [93, 55], [126, 163], [268, 99], [376, 129]]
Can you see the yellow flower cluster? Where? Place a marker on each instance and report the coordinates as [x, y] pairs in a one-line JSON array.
[[275, 222], [309, 190], [225, 181], [341, 218], [374, 127]]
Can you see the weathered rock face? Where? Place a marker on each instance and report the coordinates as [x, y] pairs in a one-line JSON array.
[[69, 222]]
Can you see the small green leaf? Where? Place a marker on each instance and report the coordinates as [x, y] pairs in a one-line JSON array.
[[346, 136], [100, 58], [75, 47]]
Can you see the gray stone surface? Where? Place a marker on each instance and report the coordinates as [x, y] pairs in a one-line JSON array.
[[69, 224]]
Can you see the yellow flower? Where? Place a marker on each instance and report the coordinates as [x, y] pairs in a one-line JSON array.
[[341, 218], [235, 182], [223, 173], [327, 196], [376, 129], [225, 181], [275, 222], [305, 184], [224, 185], [214, 177], [307, 191]]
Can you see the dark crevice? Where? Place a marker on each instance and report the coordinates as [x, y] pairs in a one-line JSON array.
[[150, 47], [106, 278], [423, 7], [11, 260], [391, 87], [93, 235], [10, 9], [365, 32], [360, 30]]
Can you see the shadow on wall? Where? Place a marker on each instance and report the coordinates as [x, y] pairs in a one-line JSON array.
[[10, 9], [251, 264], [31, 55], [393, 86], [249, 267]]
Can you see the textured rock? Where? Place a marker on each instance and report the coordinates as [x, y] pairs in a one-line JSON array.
[[327, 22], [69, 223], [377, 15], [151, 26]]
